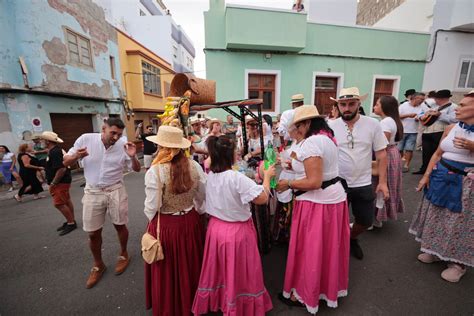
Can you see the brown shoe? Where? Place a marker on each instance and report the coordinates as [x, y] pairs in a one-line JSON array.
[[95, 276], [122, 264]]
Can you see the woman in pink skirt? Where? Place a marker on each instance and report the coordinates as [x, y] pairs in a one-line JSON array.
[[317, 267], [231, 276], [387, 108]]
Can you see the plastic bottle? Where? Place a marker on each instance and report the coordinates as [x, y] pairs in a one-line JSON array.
[[270, 159], [379, 203]]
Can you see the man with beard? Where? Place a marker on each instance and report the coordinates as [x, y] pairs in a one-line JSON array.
[[104, 157], [357, 137]]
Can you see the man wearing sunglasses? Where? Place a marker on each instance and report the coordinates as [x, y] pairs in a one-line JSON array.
[[357, 137]]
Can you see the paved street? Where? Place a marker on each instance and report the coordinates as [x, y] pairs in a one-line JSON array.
[[44, 274]]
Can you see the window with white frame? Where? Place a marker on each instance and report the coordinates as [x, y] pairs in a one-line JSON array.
[[79, 49], [263, 86], [466, 74], [151, 78]]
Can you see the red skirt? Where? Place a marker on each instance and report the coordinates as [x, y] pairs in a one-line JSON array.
[[170, 284]]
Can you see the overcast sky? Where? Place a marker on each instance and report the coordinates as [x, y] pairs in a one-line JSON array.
[[190, 15]]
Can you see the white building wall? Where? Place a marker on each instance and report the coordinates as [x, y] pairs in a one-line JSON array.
[[332, 11], [411, 15], [153, 31], [443, 72]]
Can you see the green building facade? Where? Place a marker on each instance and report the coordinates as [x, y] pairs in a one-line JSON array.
[[273, 54]]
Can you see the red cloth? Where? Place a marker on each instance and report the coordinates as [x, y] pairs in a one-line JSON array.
[[170, 284]]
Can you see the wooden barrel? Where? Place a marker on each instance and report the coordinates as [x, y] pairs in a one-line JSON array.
[[202, 91]]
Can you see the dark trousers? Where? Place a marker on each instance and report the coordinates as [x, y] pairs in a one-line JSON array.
[[429, 144]]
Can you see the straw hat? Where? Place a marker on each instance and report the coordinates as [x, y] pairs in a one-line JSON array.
[[51, 136], [194, 120], [305, 112], [470, 94], [297, 98], [248, 118], [170, 137], [212, 120], [349, 93]]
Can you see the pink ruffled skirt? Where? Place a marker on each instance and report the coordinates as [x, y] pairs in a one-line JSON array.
[[231, 276], [317, 267]]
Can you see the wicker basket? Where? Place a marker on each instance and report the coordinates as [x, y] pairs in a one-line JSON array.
[[203, 91]]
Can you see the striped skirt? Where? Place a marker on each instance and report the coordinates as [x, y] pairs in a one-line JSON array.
[[394, 204]]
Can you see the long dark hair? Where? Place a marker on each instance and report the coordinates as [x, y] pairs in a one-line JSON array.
[[390, 108], [6, 148], [221, 150], [181, 181], [318, 125], [268, 119]]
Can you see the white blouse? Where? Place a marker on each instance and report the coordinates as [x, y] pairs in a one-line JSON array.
[[320, 146], [457, 154], [228, 195], [154, 192]]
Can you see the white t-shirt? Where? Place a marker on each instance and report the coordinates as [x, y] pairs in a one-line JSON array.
[[102, 167], [8, 157], [388, 125], [319, 146], [355, 162], [286, 120], [228, 195], [410, 125]]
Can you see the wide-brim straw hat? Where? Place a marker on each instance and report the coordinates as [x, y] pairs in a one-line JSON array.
[[470, 94], [305, 112], [194, 120], [50, 136], [212, 120], [350, 93], [297, 98], [170, 137]]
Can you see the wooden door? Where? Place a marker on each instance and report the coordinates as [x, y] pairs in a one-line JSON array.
[[70, 126], [325, 88], [382, 87]]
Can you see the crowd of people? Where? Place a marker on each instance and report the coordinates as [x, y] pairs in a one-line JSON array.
[[199, 205]]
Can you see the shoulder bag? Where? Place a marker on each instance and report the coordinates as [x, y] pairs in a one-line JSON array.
[[152, 251]]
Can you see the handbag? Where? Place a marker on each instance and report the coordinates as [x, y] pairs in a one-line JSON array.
[[152, 250], [431, 119]]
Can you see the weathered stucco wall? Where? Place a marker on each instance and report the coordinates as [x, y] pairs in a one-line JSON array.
[[41, 40], [20, 109]]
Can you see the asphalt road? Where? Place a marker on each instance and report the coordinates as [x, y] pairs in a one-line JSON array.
[[44, 274]]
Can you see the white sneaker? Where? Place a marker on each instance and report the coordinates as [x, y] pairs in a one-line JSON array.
[[453, 273], [427, 258], [377, 224], [351, 224], [10, 190], [371, 228]]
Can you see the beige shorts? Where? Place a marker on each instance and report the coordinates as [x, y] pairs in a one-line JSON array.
[[147, 159], [112, 200]]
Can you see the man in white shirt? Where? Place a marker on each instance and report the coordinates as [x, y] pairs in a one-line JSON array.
[[286, 118], [104, 157], [443, 109], [357, 137], [408, 95], [409, 115]]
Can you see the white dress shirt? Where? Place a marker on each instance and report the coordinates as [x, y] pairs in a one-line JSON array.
[[102, 167]]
